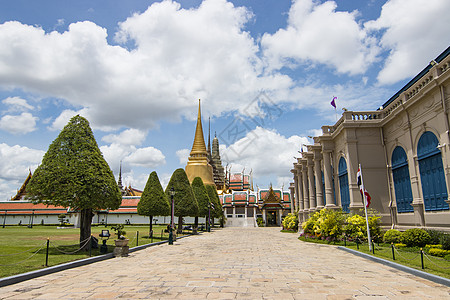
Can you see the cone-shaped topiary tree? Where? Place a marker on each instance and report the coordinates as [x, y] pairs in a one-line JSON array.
[[154, 201], [184, 199], [202, 197], [212, 193], [74, 173]]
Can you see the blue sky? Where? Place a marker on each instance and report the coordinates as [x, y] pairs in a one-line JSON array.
[[266, 69]]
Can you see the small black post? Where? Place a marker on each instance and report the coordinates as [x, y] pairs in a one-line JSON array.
[[90, 246], [137, 238], [4, 219], [345, 241], [357, 244], [46, 254], [373, 249], [152, 238], [393, 254], [421, 258], [162, 232]]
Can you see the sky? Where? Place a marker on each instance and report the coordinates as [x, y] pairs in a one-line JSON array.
[[265, 72]]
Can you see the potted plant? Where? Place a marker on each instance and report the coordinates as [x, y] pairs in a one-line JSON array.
[[121, 238]]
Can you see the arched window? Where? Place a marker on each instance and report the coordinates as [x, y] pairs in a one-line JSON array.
[[343, 185], [432, 176], [402, 181]]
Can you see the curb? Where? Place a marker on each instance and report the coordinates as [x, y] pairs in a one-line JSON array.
[[70, 265], [428, 276]]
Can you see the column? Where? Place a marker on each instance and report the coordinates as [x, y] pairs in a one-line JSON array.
[[301, 201], [318, 174], [292, 192], [312, 194], [328, 177], [295, 202], [234, 211], [305, 185]]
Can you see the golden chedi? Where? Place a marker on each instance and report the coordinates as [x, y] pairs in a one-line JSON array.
[[198, 165]]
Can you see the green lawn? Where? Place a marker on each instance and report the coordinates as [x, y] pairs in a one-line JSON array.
[[405, 256], [24, 249]]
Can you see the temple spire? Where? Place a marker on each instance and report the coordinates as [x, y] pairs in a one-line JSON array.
[[198, 161], [209, 136], [199, 142], [119, 183]]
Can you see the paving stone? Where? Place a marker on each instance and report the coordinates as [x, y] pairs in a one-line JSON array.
[[232, 263]]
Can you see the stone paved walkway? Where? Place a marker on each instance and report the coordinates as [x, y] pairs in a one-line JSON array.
[[231, 263]]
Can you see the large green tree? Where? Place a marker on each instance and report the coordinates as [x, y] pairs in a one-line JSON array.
[[202, 197], [154, 201], [184, 199], [73, 173], [212, 193]]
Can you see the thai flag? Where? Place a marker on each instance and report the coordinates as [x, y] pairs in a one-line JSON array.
[[361, 187]]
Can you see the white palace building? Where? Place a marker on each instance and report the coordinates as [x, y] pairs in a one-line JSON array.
[[404, 151]]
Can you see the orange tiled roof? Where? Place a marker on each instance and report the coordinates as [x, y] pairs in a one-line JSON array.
[[15, 207]]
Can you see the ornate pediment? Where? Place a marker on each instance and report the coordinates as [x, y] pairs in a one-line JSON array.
[[271, 197]]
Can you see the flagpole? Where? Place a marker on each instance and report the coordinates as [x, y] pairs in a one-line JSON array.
[[365, 209]]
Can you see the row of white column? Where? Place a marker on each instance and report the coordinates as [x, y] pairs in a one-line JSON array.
[[307, 188]]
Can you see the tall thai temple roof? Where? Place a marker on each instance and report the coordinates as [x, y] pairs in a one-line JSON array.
[[198, 164], [198, 146]]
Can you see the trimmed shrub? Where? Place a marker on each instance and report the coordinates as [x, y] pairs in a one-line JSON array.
[[290, 222], [392, 236], [415, 237], [435, 236], [445, 241], [399, 245], [433, 246], [260, 222], [330, 223], [356, 226], [439, 252]]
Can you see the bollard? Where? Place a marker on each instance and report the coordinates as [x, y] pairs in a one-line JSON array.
[[345, 241], [393, 254], [357, 244], [421, 258], [373, 248], [46, 255], [162, 232], [137, 238]]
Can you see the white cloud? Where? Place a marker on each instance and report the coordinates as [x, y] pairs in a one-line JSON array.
[[415, 32], [17, 104], [15, 162], [19, 124], [265, 151], [316, 32], [183, 155], [176, 61], [149, 157], [133, 137], [62, 119]]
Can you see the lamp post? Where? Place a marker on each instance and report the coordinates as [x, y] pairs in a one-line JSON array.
[[172, 193], [4, 219]]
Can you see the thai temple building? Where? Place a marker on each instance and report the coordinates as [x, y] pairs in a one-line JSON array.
[[241, 203], [403, 149]]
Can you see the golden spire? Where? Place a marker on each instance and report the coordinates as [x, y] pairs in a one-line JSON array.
[[197, 165], [199, 142]]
